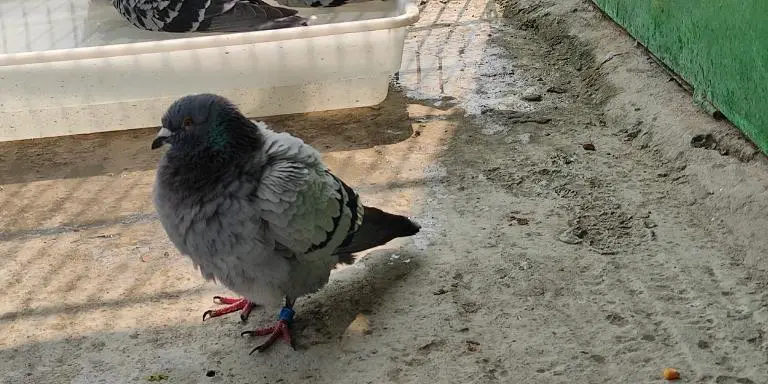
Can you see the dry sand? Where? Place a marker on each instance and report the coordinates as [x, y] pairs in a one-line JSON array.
[[575, 239]]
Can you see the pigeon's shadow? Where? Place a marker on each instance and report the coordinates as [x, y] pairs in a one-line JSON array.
[[359, 288], [105, 153], [190, 352]]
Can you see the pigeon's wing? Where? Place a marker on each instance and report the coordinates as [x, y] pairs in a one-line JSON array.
[[307, 208], [206, 15], [170, 15], [251, 16]]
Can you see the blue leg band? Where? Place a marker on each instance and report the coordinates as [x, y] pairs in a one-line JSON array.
[[286, 314]]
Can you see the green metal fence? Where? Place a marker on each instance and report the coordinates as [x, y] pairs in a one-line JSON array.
[[720, 47]]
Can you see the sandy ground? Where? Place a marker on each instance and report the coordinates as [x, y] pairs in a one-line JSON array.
[[575, 239]]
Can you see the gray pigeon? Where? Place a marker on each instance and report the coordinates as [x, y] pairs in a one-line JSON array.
[[207, 15], [258, 211]]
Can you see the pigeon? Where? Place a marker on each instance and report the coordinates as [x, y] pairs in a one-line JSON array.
[[258, 211], [207, 15]]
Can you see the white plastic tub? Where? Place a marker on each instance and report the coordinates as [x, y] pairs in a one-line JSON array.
[[86, 70]]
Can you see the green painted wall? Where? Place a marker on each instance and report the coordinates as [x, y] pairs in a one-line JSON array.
[[720, 47]]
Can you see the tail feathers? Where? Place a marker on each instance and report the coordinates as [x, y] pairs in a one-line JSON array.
[[254, 16], [312, 3], [285, 22], [346, 258], [378, 228]]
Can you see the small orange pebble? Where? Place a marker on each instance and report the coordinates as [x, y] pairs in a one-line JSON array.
[[671, 374]]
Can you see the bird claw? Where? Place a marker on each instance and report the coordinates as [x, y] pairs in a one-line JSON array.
[[226, 300], [233, 304], [258, 332], [280, 330]]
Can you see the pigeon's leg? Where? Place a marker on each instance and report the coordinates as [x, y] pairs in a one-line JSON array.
[[280, 330], [233, 304]]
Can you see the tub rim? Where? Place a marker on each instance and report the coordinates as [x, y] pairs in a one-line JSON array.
[[409, 15]]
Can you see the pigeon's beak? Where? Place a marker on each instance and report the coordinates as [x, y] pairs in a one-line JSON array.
[[161, 137]]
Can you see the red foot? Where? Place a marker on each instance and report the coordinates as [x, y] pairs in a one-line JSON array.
[[280, 330], [234, 304]]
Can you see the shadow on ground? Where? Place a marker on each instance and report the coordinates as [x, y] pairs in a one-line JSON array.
[[134, 354], [127, 151]]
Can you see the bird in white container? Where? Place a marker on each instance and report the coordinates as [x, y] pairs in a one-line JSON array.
[[258, 211], [207, 15]]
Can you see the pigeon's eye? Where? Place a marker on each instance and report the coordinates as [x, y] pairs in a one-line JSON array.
[[187, 122]]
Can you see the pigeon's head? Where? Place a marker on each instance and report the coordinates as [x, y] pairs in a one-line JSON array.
[[201, 121]]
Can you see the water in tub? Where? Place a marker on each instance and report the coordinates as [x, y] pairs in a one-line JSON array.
[[40, 25]]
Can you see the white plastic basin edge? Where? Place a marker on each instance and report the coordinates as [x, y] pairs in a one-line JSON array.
[[410, 16]]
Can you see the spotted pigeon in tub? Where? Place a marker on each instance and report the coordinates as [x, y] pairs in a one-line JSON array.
[[207, 15], [258, 211]]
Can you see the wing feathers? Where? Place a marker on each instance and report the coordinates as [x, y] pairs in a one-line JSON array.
[[207, 15], [304, 204]]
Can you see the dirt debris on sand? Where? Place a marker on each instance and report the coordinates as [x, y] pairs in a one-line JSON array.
[[539, 261]]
